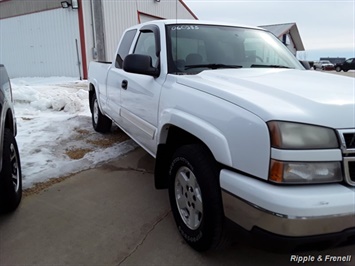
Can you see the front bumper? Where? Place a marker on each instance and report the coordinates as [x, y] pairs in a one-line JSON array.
[[289, 211]]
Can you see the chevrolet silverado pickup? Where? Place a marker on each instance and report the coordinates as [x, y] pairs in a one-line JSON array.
[[240, 131], [10, 166]]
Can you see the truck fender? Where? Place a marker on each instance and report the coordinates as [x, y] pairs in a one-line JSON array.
[[205, 132], [94, 88]]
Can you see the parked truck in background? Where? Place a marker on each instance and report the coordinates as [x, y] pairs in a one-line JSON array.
[[348, 64], [239, 130], [10, 166]]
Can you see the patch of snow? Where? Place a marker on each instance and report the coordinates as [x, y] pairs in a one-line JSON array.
[[49, 112]]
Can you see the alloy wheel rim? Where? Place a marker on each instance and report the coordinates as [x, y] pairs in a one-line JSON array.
[[96, 112], [188, 198], [15, 171]]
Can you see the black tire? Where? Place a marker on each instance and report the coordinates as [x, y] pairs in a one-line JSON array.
[[345, 70], [10, 175], [100, 122], [202, 196], [338, 69]]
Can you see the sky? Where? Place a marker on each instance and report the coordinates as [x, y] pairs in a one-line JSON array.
[[327, 28], [53, 117]]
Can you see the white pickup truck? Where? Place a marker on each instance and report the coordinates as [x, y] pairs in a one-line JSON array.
[[240, 131]]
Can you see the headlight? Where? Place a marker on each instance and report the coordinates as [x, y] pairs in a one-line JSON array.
[[286, 135], [304, 172]]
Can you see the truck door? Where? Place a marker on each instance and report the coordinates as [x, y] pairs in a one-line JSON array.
[[140, 93], [116, 75]]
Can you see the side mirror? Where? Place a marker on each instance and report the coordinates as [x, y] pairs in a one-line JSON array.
[[305, 64], [140, 64]]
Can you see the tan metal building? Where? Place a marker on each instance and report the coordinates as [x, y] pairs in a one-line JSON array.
[[288, 33], [60, 38]]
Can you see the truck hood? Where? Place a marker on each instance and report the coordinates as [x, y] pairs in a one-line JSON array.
[[304, 96]]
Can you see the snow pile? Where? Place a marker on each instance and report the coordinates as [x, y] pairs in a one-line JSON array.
[[53, 117], [58, 98]]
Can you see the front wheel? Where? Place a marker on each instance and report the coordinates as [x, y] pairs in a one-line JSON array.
[[10, 175], [195, 197]]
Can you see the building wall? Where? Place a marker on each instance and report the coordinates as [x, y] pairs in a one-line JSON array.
[[88, 29], [334, 60], [41, 44], [289, 43], [45, 34], [119, 15], [169, 9]]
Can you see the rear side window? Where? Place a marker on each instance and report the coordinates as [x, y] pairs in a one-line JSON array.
[[123, 50]]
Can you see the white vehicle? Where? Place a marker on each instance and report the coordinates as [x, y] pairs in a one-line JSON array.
[[323, 65], [240, 131]]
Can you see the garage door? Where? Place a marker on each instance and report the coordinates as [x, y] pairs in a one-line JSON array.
[[41, 44]]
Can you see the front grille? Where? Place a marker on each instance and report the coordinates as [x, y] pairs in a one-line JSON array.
[[351, 167], [349, 140]]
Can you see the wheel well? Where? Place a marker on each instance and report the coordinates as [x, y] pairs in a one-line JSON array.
[[175, 137], [91, 94], [9, 120]]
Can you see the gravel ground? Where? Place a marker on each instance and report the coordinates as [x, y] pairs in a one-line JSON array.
[[93, 141]]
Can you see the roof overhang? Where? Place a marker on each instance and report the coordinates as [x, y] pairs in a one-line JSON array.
[[280, 29]]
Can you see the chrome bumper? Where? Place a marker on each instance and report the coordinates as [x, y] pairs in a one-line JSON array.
[[247, 215]]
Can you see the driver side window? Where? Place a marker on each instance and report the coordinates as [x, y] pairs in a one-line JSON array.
[[146, 46]]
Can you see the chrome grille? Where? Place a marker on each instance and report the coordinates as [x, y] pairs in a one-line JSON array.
[[349, 169], [352, 171], [347, 139]]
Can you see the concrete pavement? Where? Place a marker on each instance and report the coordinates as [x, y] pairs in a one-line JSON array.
[[112, 215], [350, 73]]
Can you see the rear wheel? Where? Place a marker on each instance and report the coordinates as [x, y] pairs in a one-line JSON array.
[[10, 175], [100, 122], [195, 197], [338, 69]]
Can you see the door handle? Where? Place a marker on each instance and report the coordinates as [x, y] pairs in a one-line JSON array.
[[124, 84]]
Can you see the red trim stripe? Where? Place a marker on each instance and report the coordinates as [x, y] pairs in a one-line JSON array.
[[188, 9], [82, 40]]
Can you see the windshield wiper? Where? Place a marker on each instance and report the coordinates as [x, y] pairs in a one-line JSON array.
[[271, 66], [212, 66]]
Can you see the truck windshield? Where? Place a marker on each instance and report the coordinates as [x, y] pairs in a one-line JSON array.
[[194, 48]]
